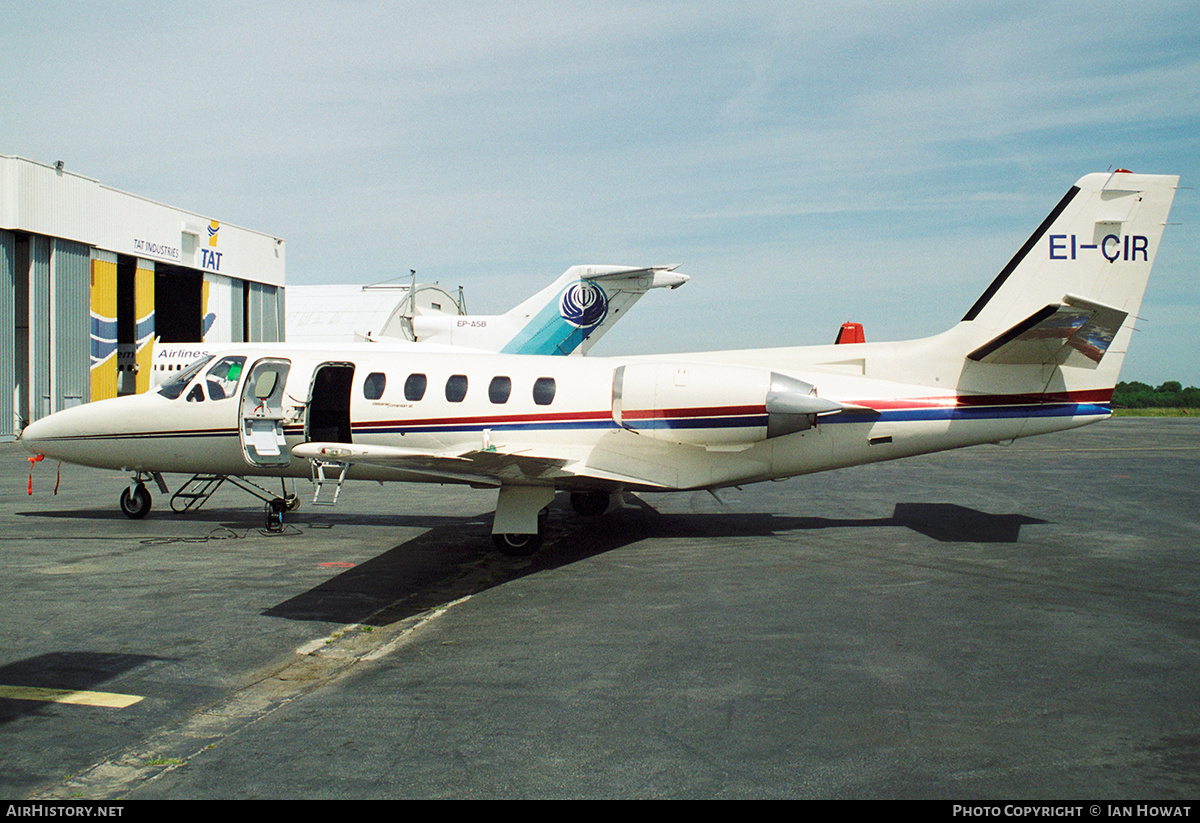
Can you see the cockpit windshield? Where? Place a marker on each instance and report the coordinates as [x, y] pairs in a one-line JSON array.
[[175, 386]]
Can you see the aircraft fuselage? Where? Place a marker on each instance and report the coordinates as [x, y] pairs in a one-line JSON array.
[[716, 434]]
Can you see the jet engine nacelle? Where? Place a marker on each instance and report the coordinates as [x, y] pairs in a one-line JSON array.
[[712, 405]]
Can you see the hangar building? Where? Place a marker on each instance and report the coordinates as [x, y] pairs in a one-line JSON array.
[[91, 277]]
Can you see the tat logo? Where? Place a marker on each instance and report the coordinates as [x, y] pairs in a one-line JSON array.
[[211, 260], [583, 304]]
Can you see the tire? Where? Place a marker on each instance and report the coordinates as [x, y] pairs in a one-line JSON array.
[[136, 504], [517, 545]]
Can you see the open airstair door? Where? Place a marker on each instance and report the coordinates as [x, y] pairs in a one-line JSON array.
[[261, 427], [328, 419]]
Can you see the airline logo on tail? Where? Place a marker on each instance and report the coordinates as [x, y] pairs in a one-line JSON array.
[[583, 305]]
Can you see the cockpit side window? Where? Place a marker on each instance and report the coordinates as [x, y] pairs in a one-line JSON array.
[[175, 386], [222, 378]]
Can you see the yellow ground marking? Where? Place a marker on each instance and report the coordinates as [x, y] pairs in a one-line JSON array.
[[80, 698]]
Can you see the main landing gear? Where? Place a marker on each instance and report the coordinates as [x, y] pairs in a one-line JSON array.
[[588, 504], [518, 545]]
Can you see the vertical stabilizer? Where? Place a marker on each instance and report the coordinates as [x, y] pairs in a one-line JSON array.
[[564, 318], [576, 310], [1098, 243], [1070, 296]]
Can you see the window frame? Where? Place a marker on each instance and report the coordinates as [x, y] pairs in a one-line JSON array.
[[411, 393], [500, 389], [370, 381], [539, 391], [453, 384]]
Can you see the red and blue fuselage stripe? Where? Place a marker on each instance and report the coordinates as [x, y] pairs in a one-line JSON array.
[[963, 407]]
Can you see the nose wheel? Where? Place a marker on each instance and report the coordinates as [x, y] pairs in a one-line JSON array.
[[135, 501]]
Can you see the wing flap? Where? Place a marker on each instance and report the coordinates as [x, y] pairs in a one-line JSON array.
[[433, 465], [490, 466]]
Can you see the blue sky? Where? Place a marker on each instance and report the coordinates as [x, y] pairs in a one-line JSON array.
[[806, 163]]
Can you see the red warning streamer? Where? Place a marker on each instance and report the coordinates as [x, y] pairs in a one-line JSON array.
[[35, 459]]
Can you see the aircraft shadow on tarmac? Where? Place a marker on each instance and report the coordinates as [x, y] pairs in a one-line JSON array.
[[455, 559], [69, 671]]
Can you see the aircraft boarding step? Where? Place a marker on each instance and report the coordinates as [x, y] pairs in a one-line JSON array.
[[195, 492], [319, 478]]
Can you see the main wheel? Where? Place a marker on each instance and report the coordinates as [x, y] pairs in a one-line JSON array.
[[136, 503], [590, 504], [517, 545]]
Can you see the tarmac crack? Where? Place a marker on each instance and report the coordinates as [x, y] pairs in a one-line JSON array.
[[316, 664]]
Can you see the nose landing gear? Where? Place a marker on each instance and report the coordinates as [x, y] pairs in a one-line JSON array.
[[135, 501]]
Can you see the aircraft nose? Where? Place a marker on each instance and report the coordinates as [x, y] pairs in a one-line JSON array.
[[33, 436], [96, 434], [70, 434]]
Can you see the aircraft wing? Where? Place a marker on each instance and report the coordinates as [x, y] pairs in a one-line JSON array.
[[487, 466]]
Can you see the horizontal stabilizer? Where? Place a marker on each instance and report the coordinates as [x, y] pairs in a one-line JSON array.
[[1076, 332], [661, 276]]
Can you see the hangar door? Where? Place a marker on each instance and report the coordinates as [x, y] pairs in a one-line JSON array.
[[178, 304]]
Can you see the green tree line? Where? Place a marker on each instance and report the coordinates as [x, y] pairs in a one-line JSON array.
[[1172, 394]]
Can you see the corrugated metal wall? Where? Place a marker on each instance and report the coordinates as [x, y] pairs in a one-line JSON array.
[[72, 305], [8, 332], [237, 311], [39, 327], [264, 313]]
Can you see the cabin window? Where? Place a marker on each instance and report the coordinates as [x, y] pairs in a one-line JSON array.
[[543, 391], [499, 389], [374, 384], [414, 386], [222, 378], [456, 388]]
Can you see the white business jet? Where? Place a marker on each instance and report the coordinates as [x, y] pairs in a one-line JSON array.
[[1039, 351]]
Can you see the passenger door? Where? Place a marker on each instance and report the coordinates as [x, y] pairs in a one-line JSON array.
[[328, 419], [263, 442]]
